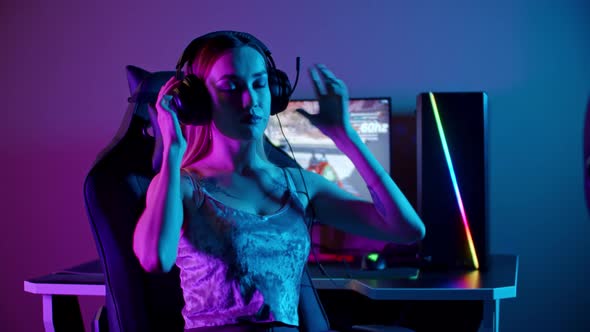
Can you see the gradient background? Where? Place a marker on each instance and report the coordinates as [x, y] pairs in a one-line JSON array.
[[63, 93]]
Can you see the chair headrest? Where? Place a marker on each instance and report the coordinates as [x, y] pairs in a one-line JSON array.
[[144, 87]]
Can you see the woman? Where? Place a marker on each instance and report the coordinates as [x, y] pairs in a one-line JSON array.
[[233, 222]]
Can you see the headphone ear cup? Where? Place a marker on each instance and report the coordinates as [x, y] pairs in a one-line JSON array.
[[191, 101], [280, 90]]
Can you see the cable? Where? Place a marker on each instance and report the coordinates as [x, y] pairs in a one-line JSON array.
[[313, 215], [300, 173]]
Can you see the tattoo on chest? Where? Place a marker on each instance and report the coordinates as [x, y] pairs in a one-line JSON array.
[[212, 186], [273, 188], [377, 202]]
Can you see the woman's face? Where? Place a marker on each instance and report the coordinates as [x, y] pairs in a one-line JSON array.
[[238, 84]]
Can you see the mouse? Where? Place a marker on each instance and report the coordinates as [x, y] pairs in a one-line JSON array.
[[392, 255], [373, 261]]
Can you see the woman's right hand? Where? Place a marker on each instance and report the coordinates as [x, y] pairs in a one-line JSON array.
[[172, 139]]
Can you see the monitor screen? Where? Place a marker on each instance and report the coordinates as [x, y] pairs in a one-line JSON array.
[[314, 151]]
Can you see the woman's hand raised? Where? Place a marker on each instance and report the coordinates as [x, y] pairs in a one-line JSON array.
[[172, 138], [333, 118]]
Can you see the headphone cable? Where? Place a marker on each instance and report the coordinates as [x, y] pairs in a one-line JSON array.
[[313, 216]]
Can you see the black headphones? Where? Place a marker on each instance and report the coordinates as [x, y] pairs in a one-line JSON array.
[[191, 99]]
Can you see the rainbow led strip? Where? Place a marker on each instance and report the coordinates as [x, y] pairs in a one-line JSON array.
[[445, 147]]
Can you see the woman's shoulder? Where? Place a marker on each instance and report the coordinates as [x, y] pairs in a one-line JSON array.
[[304, 180], [310, 182], [189, 183]]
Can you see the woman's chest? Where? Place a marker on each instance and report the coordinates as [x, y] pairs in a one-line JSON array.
[[261, 195], [225, 232]]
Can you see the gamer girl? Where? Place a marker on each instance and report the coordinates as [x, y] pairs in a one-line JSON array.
[[233, 222]]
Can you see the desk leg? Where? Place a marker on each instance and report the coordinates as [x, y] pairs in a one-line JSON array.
[[491, 316], [62, 313]]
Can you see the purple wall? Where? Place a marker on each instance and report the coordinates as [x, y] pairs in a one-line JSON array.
[[64, 92]]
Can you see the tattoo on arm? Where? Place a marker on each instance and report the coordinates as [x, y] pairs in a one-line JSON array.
[[377, 202]]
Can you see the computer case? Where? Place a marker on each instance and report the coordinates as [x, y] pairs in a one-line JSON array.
[[452, 178]]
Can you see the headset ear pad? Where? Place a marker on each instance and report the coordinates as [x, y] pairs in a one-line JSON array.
[[192, 101], [280, 90]]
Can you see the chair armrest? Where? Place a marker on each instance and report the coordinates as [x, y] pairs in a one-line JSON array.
[[311, 313], [100, 322]]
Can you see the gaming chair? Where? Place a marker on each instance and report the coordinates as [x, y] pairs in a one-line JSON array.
[[114, 192]]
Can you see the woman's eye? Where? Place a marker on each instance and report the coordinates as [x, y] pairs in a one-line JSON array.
[[226, 86], [260, 83]]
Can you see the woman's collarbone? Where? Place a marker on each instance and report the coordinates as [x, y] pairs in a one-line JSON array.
[[249, 195]]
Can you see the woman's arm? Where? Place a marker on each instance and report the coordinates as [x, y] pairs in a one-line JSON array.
[[157, 233], [390, 216], [155, 241]]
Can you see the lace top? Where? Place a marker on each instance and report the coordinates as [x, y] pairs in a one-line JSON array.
[[237, 266]]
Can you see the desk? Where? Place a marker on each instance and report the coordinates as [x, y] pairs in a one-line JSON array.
[[499, 281]]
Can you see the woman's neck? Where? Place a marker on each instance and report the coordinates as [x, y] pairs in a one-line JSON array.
[[233, 156]]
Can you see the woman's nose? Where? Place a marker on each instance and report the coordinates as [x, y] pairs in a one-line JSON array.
[[249, 98]]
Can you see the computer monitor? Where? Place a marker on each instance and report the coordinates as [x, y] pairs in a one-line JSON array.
[[371, 118]]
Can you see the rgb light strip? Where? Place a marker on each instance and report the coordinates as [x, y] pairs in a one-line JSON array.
[[445, 147]]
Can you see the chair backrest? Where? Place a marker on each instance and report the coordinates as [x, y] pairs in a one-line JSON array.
[[115, 190]]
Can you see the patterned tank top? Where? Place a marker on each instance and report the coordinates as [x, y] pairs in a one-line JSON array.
[[237, 266]]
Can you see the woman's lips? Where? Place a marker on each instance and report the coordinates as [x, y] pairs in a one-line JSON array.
[[251, 118]]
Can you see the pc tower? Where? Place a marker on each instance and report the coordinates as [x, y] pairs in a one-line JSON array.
[[452, 181]]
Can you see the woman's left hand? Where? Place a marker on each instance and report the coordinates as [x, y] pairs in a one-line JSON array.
[[332, 94]]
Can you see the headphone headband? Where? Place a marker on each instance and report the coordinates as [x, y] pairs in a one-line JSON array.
[[198, 42], [194, 94]]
